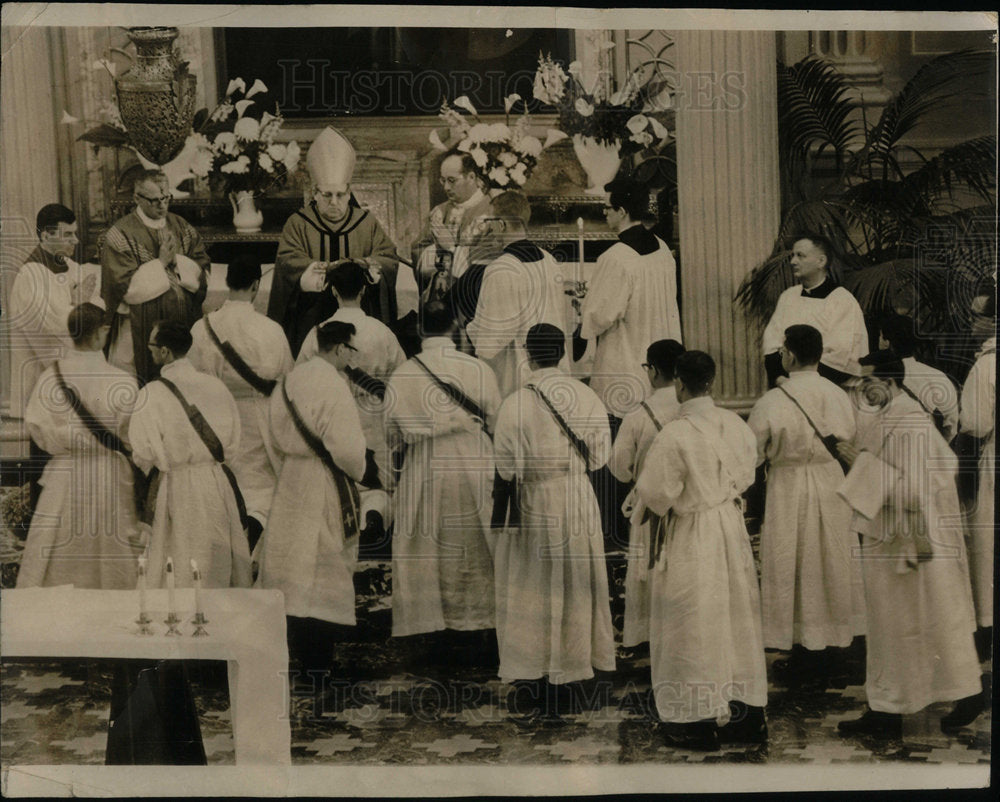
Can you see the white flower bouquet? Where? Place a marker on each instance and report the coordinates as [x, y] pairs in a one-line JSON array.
[[505, 154]]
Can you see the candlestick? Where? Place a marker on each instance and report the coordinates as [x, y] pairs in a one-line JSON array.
[[172, 620], [579, 248], [144, 620], [199, 619]]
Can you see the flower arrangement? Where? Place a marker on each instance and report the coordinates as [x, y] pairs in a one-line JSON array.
[[505, 154], [607, 117], [237, 141]]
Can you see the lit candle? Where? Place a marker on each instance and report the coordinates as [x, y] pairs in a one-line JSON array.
[[579, 246], [171, 606], [142, 588], [197, 589]]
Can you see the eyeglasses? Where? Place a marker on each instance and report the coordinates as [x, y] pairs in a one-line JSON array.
[[157, 200], [450, 181]]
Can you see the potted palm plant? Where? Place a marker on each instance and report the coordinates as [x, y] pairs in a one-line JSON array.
[[922, 242]]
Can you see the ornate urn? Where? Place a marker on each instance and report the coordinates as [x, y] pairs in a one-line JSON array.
[[156, 95]]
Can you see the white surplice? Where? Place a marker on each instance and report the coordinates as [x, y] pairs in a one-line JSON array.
[[628, 454], [196, 515], [36, 314], [920, 647], [631, 303], [706, 643], [806, 542], [303, 551], [442, 562], [378, 354], [838, 317], [553, 610], [978, 418], [84, 526], [262, 344], [515, 295]]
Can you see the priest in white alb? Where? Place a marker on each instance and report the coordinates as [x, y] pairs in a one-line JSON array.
[[807, 550], [309, 549], [628, 453], [901, 486], [706, 644], [818, 301], [553, 611], [631, 301], [249, 352], [523, 286], [443, 405], [184, 426], [84, 531]]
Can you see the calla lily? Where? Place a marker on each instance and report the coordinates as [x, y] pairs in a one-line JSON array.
[[659, 129], [637, 123], [574, 68], [236, 83], [583, 108], [265, 118], [463, 102], [435, 140], [509, 101], [103, 63], [68, 119], [242, 106], [258, 87], [552, 136]]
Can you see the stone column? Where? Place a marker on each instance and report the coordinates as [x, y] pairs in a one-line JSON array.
[[728, 183]]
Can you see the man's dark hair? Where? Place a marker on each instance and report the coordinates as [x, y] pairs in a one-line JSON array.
[[468, 163], [629, 195], [900, 332], [348, 279], [545, 344], [696, 371], [805, 343], [83, 322], [173, 335], [51, 215], [886, 364], [821, 242], [436, 319], [334, 332], [662, 355], [156, 176], [512, 206], [242, 272]]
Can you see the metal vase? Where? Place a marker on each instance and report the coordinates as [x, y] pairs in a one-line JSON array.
[[156, 95]]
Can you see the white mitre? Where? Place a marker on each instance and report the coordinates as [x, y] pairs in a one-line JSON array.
[[331, 159]]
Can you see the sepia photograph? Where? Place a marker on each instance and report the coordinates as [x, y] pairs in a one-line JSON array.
[[462, 401]]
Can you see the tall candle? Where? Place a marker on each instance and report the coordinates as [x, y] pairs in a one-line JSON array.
[[579, 246], [142, 587], [171, 606], [197, 587]]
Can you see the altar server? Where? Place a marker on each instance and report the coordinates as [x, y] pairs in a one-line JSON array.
[[631, 301], [553, 615], [330, 228], [185, 425], [523, 286], [978, 418], [154, 267], [84, 531], [47, 286], [706, 645], [249, 352], [627, 457], [806, 546], [901, 486], [310, 547], [818, 301], [444, 404]]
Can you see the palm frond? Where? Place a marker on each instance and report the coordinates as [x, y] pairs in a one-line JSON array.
[[928, 89], [758, 294], [970, 164]]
